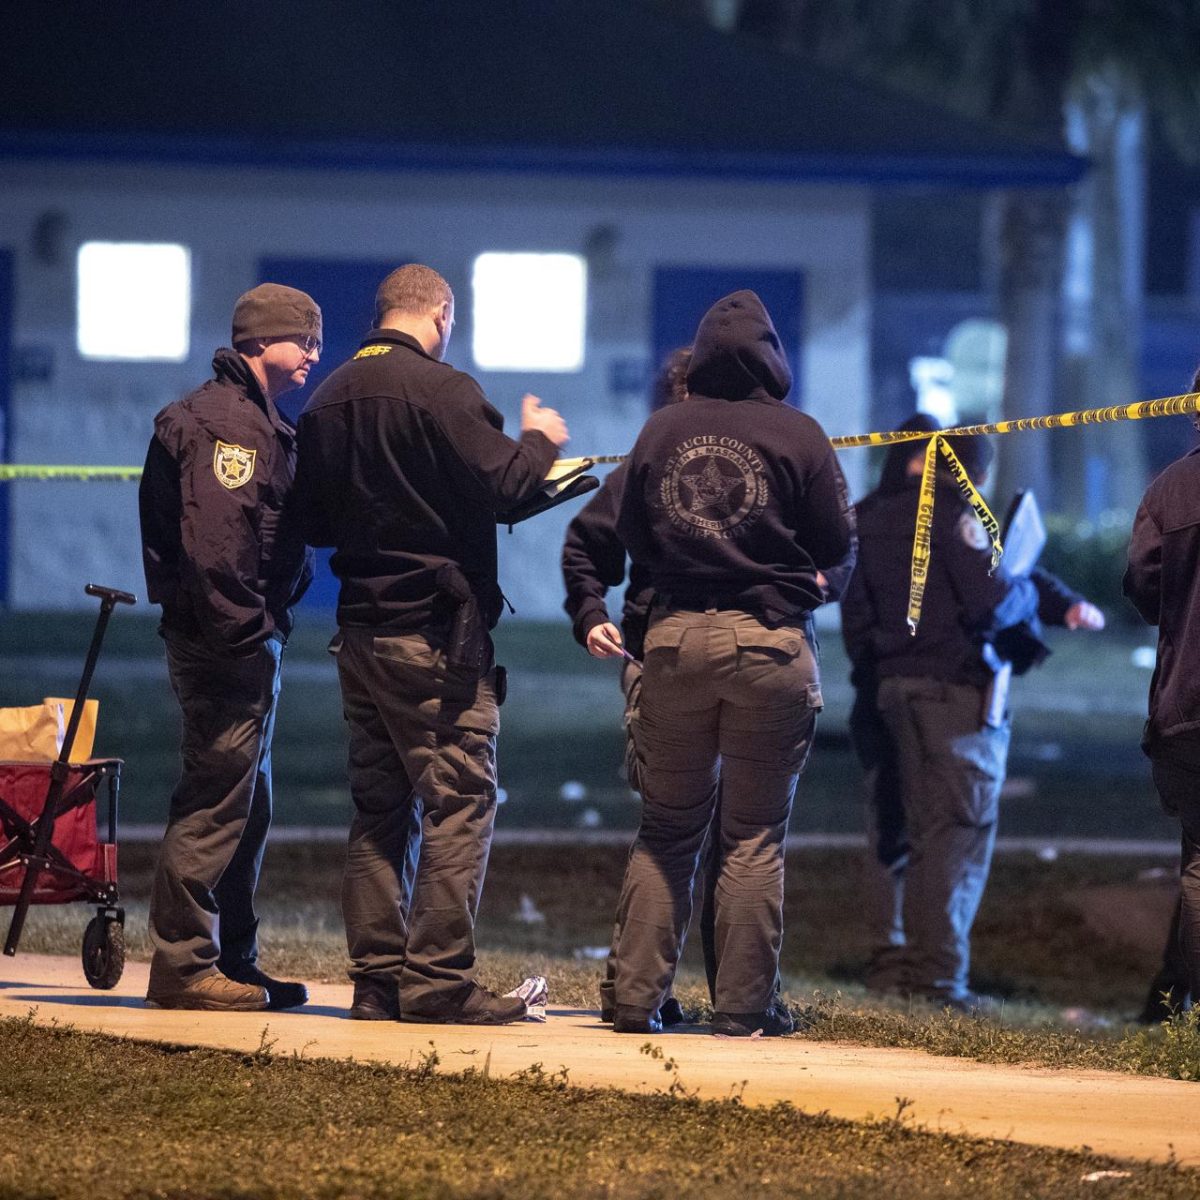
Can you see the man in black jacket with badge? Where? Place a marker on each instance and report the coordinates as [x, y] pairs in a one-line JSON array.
[[225, 558], [934, 749], [405, 471]]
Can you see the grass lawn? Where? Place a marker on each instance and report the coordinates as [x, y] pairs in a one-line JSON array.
[[88, 1117]]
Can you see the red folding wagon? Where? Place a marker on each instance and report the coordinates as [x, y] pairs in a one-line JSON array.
[[50, 846]]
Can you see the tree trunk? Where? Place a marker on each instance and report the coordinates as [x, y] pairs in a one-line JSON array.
[[1104, 287], [1032, 228]]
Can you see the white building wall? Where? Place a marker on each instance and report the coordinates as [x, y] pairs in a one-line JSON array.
[[96, 412]]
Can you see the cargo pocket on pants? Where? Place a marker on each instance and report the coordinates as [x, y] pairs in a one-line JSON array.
[[983, 756]]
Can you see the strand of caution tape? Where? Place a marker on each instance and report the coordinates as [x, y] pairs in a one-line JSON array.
[[17, 471], [923, 535], [1166, 406]]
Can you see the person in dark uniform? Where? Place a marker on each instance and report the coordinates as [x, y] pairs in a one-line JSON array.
[[593, 560], [1163, 582], [733, 505], [934, 765], [405, 470], [224, 557]]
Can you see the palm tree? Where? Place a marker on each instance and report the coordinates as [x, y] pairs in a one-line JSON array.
[[1087, 73]]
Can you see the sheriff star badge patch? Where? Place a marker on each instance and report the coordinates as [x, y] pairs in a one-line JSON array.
[[233, 465]]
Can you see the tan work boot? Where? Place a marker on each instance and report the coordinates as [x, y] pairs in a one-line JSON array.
[[212, 992]]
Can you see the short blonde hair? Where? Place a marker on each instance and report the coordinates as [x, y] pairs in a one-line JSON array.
[[412, 290]]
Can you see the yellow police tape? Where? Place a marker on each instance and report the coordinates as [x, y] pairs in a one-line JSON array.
[[1167, 406], [15, 472]]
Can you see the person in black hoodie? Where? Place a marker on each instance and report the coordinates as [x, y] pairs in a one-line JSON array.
[[225, 558], [1163, 582], [934, 766], [734, 506]]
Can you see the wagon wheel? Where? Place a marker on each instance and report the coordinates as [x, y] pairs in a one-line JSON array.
[[103, 951]]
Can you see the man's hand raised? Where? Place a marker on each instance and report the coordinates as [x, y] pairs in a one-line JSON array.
[[545, 420]]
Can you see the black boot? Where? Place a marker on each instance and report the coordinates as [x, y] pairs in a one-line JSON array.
[[281, 993], [375, 1000]]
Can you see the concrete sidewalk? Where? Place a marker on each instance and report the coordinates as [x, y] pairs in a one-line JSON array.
[[1122, 1115]]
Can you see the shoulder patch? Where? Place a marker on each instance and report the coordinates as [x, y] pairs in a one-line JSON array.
[[233, 465], [971, 530], [373, 351]]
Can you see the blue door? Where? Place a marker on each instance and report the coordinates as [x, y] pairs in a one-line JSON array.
[[682, 295], [6, 297], [345, 290]]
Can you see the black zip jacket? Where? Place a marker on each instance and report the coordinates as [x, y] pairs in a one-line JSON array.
[[734, 499], [593, 560], [1163, 581], [964, 607], [221, 546], [405, 470]]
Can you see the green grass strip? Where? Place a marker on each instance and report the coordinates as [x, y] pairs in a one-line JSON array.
[[88, 1117]]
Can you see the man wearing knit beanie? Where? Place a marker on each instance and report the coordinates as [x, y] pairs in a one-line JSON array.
[[933, 751], [225, 560]]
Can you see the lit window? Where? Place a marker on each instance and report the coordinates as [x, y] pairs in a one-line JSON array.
[[530, 312], [134, 301]]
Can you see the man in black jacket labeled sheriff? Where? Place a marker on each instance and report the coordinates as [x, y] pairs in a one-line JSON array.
[[224, 557], [1163, 581], [405, 471], [934, 748], [734, 505]]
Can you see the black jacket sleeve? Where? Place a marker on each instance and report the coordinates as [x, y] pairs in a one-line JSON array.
[[593, 558], [1055, 599], [158, 512], [825, 518], [1143, 576], [633, 519], [492, 468], [838, 574]]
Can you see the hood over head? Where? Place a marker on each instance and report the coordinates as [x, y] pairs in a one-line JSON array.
[[737, 353]]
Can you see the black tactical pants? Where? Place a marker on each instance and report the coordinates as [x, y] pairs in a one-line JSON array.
[[724, 700], [1177, 778], [951, 770], [423, 781], [202, 904]]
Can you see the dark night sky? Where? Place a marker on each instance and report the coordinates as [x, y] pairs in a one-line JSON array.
[[584, 81]]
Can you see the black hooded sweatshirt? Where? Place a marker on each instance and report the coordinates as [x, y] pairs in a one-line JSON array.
[[734, 500]]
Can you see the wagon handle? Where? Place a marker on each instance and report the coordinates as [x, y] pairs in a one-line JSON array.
[[109, 599]]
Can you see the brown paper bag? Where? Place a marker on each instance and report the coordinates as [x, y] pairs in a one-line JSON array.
[[35, 733], [85, 735]]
